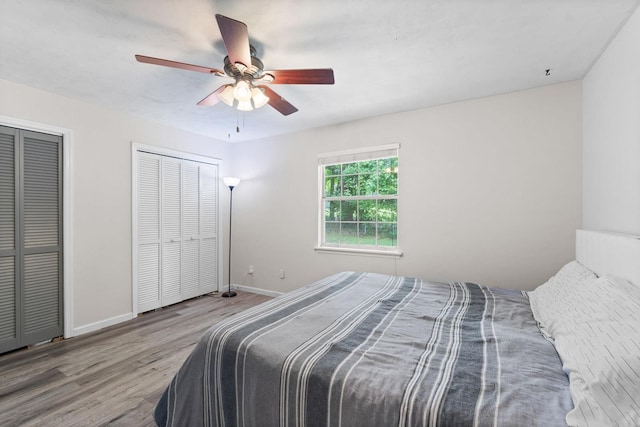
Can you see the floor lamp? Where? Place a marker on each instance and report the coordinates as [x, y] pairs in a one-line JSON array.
[[230, 182]]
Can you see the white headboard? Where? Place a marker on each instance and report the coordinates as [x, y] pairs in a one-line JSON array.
[[609, 253]]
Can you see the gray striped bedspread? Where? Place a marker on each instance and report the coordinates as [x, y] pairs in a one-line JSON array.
[[364, 349]]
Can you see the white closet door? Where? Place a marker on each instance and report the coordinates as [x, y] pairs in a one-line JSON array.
[[176, 244], [208, 228], [148, 223], [171, 231], [190, 229]]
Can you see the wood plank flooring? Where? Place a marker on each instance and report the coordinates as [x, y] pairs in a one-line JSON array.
[[114, 376]]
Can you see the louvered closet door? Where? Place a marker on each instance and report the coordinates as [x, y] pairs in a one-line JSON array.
[[8, 293], [171, 278], [177, 229], [42, 231], [30, 237], [190, 229], [148, 221], [209, 228]]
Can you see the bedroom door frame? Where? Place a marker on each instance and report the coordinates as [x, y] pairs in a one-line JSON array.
[[67, 209], [135, 149]]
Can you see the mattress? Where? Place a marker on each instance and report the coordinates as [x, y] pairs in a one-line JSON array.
[[365, 349]]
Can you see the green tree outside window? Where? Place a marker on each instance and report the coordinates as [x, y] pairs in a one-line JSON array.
[[360, 200]]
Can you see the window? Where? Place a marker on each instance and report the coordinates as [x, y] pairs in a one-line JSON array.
[[359, 200]]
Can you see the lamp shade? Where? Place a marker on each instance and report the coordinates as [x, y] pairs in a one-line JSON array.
[[242, 91], [227, 95], [231, 181], [259, 98], [245, 105]]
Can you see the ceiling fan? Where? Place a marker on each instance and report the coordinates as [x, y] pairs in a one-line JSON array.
[[247, 70]]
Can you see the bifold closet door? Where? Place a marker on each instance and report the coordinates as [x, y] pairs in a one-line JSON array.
[[30, 237], [208, 228], [9, 291], [176, 229], [171, 214], [148, 209], [42, 233], [191, 229], [200, 244]]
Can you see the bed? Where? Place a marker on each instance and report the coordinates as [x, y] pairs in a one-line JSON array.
[[370, 349]]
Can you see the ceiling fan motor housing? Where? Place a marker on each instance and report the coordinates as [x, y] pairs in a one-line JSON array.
[[254, 71]]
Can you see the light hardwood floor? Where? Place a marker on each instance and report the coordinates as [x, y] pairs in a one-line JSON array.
[[114, 376]]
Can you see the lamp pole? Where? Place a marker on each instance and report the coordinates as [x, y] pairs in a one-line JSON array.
[[231, 183]]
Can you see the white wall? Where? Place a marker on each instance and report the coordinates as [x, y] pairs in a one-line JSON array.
[[611, 129], [102, 286], [490, 191]]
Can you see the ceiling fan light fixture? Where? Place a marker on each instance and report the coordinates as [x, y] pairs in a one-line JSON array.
[[259, 98], [245, 105], [226, 95], [242, 91], [242, 65]]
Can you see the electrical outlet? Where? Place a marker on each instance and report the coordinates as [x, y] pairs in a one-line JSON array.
[[250, 271], [282, 274]]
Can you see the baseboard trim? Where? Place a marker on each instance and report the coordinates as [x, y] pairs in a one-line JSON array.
[[256, 290], [91, 327]]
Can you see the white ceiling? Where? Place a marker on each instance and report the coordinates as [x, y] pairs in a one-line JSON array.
[[387, 56]]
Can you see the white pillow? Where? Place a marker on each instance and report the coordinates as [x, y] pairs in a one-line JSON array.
[[600, 351], [554, 301]]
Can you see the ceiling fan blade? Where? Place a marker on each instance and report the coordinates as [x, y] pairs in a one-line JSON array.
[[212, 98], [174, 64], [317, 76], [278, 102], [236, 39]]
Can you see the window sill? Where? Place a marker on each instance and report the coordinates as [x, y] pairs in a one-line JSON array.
[[357, 251]]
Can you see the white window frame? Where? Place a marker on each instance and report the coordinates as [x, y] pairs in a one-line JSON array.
[[347, 156]]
